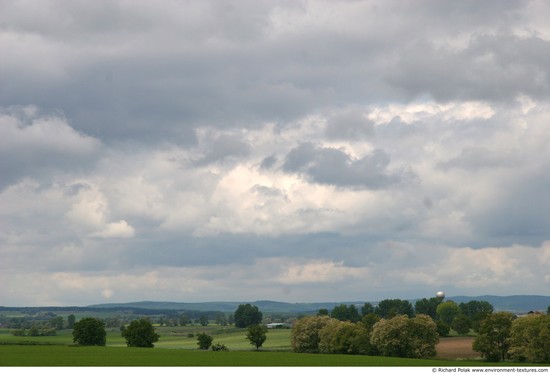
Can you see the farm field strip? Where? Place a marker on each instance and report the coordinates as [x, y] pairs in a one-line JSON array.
[[57, 355], [170, 338]]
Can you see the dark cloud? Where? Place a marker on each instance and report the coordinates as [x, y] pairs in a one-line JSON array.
[[476, 158], [497, 67], [335, 167], [210, 149], [517, 212], [222, 148], [154, 72], [350, 124], [37, 145], [268, 162]]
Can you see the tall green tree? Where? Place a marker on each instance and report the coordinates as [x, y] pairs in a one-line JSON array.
[[530, 339], [256, 334], [493, 339], [389, 308], [367, 309], [221, 319], [447, 311], [57, 322], [461, 324], [203, 320], [345, 313], [322, 312], [426, 306], [90, 332], [476, 311], [140, 333], [184, 320], [304, 335], [247, 315], [70, 321]]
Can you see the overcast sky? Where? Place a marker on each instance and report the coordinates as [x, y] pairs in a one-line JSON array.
[[295, 151]]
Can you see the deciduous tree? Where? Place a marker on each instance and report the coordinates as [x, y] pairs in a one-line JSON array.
[[344, 337], [402, 336], [70, 321], [90, 332], [476, 311], [461, 324], [204, 341], [140, 333], [389, 308], [203, 320], [322, 312], [367, 309], [530, 339], [304, 336], [447, 311], [256, 334], [247, 315], [345, 313], [493, 339], [426, 306]]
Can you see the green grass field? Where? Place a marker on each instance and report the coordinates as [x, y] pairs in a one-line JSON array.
[[175, 348], [59, 355], [170, 338]]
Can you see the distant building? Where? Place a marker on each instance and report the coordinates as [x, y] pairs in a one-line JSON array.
[[278, 325]]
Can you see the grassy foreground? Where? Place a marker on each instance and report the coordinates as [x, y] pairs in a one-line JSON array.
[[176, 348], [58, 355]]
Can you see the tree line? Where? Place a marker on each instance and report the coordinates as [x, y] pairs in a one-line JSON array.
[[395, 328]]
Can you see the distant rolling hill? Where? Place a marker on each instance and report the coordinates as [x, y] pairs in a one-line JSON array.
[[266, 306], [512, 303]]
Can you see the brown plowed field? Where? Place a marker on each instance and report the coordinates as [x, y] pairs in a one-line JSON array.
[[456, 348]]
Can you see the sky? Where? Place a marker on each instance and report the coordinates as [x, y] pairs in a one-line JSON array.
[[295, 151]]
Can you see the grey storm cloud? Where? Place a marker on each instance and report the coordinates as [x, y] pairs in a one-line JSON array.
[[33, 145], [298, 150], [350, 124], [476, 158], [148, 72], [223, 148], [491, 67], [335, 167]]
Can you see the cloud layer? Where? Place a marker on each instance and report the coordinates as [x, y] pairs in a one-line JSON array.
[[294, 151]]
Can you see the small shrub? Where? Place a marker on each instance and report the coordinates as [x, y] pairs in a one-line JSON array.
[[190, 335], [19, 332], [219, 347], [204, 341]]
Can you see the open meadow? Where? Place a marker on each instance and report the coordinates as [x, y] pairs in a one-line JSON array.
[[60, 355], [176, 347]]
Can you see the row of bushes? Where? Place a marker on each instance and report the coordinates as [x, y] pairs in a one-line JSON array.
[[504, 336], [34, 332], [501, 336], [399, 336]]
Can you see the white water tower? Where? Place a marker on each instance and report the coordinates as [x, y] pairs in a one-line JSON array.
[[440, 295]]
